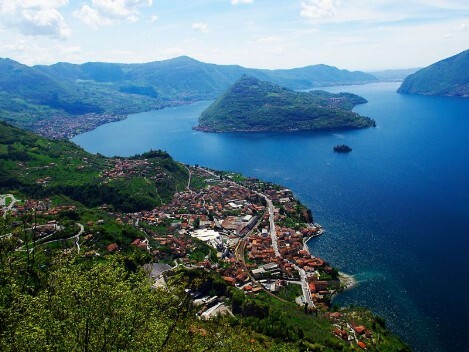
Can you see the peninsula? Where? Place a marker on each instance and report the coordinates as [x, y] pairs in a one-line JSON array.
[[254, 105]]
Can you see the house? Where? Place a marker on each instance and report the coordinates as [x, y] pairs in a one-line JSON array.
[[229, 280], [362, 345], [112, 247], [359, 329]]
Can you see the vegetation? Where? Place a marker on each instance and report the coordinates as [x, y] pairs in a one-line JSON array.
[[448, 77], [31, 94], [101, 305], [58, 295], [38, 168], [253, 105], [290, 292]]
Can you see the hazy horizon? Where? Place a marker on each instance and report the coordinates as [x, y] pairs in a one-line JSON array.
[[354, 35]]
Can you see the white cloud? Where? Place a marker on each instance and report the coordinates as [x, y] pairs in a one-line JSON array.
[[319, 8], [237, 2], [270, 39], [200, 27], [9, 6], [91, 17], [18, 46], [108, 12], [153, 18], [44, 22], [35, 17]]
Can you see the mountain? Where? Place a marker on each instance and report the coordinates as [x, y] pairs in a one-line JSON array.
[[186, 77], [448, 77], [394, 75], [254, 105]]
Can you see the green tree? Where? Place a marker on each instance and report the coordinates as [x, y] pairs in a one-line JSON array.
[[101, 306]]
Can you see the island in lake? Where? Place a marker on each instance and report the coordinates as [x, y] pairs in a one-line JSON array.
[[255, 105], [342, 148]]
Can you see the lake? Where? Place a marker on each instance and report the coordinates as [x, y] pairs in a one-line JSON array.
[[395, 209]]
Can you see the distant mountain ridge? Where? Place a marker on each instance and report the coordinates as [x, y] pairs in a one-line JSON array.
[[254, 105], [448, 77], [191, 76], [394, 75]]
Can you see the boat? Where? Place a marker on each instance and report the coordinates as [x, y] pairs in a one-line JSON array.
[[342, 148]]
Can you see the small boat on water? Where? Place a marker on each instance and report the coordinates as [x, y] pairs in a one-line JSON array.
[[342, 148]]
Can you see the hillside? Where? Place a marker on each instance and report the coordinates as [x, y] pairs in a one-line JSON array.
[[27, 90], [38, 167], [448, 77], [254, 105]]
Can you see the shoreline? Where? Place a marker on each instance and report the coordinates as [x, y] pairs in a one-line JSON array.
[[347, 281]]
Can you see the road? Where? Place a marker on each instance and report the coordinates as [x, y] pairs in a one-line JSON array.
[[188, 187], [10, 206], [77, 236], [305, 286], [273, 230], [273, 235]]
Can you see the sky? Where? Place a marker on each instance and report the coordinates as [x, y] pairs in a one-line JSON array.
[[366, 35]]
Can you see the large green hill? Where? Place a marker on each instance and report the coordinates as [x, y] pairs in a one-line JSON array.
[[448, 77], [254, 105]]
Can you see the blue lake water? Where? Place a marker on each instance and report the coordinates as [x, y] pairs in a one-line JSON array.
[[395, 209]]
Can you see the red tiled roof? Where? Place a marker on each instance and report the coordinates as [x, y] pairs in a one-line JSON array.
[[112, 247], [359, 329]]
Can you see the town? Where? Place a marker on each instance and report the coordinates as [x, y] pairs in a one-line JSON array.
[[251, 233]]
